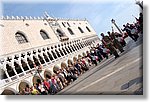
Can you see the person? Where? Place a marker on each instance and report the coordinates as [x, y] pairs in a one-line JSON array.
[[116, 43], [101, 48], [108, 44], [93, 58], [42, 88], [78, 67], [141, 22], [128, 30], [53, 88], [121, 40], [34, 90], [46, 85], [83, 64], [98, 54], [27, 90]]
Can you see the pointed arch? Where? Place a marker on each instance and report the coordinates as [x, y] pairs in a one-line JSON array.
[[21, 38], [24, 65], [44, 34], [45, 57], [30, 62], [18, 68]]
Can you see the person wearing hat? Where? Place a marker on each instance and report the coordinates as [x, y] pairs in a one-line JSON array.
[[107, 42]]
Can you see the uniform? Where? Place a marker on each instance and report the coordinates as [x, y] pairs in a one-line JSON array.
[[109, 45], [116, 43]]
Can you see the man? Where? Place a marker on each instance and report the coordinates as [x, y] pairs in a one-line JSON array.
[[108, 44], [128, 30], [116, 43]]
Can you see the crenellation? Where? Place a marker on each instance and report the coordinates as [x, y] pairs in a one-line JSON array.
[[12, 17], [30, 18]]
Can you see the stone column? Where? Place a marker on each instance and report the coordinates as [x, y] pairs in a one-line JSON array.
[[47, 57], [13, 67]]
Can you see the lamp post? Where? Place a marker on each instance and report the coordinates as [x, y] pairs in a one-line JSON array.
[[113, 22], [139, 3], [38, 69]]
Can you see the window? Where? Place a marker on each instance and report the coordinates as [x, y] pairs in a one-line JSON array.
[[63, 24], [70, 31], [80, 30], [60, 32], [68, 24], [44, 35], [21, 38], [88, 29]]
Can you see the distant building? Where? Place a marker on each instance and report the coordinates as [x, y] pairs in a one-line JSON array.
[[51, 42]]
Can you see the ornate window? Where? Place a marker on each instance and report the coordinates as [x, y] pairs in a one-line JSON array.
[[80, 30], [60, 32], [44, 35], [21, 38], [70, 31]]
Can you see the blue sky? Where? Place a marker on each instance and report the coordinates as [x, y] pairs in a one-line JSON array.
[[97, 12]]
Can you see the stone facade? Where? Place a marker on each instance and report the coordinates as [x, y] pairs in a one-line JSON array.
[[50, 42]]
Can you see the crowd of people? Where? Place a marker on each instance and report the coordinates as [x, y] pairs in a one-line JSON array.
[[112, 43], [65, 76]]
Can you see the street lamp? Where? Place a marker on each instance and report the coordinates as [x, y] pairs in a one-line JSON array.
[[113, 22], [139, 3], [38, 70]]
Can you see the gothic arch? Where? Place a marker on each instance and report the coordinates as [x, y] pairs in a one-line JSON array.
[[64, 51], [21, 37], [63, 65], [23, 84], [75, 59], [41, 59], [61, 52], [84, 54], [36, 61], [17, 68], [79, 56], [9, 91], [70, 62], [47, 73], [56, 68], [24, 65], [44, 34], [54, 54], [36, 79], [45, 57], [58, 54], [30, 63], [50, 56], [10, 70]]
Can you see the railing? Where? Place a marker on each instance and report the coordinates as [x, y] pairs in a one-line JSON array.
[[14, 77]]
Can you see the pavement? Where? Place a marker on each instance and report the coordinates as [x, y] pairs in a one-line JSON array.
[[121, 76]]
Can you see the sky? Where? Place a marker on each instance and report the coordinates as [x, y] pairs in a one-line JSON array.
[[98, 12]]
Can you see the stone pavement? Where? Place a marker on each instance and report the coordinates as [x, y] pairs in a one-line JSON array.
[[113, 76]]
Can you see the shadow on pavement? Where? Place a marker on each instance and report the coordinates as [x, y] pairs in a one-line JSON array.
[[132, 82]]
